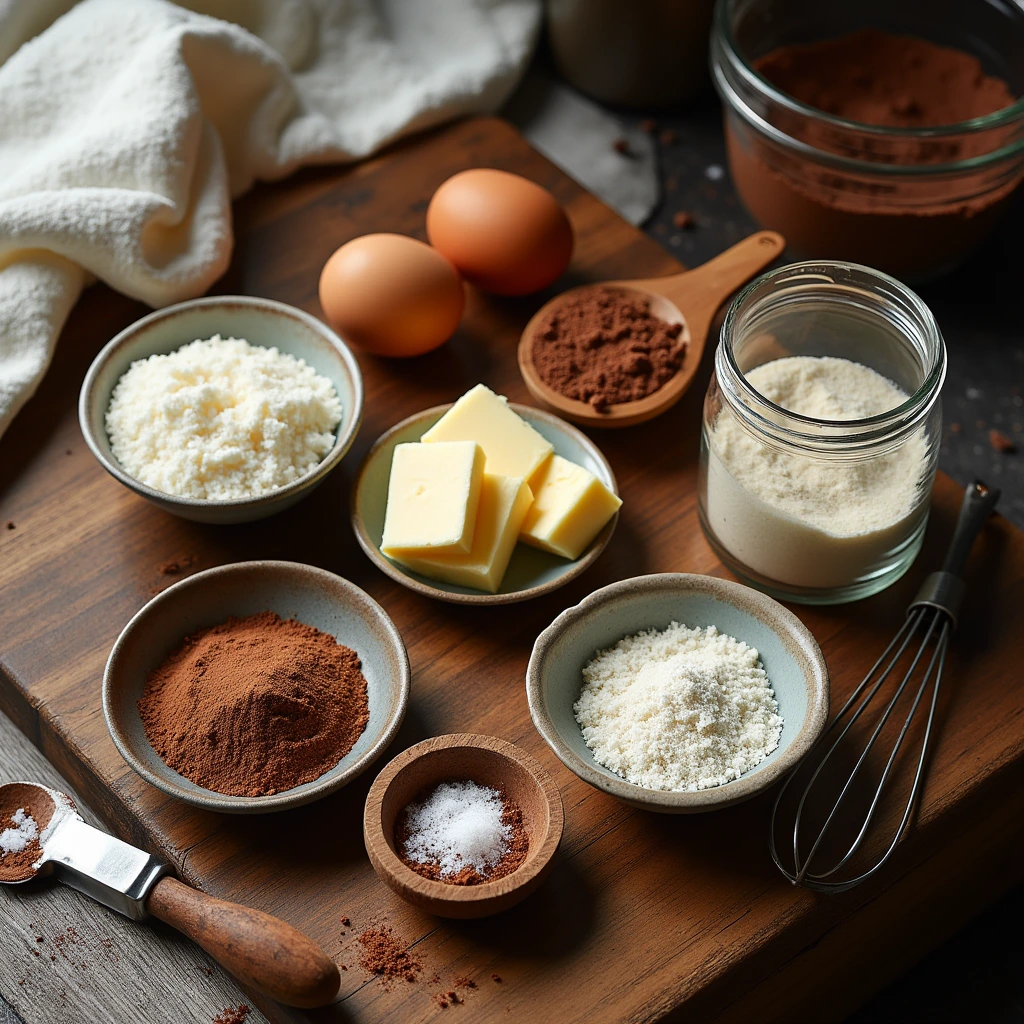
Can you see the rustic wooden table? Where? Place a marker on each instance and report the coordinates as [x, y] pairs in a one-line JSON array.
[[644, 916]]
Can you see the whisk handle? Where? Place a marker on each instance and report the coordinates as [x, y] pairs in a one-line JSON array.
[[979, 501], [944, 590]]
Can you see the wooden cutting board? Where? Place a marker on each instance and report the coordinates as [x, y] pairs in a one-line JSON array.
[[645, 916]]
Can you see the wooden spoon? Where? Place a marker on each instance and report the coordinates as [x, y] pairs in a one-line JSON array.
[[691, 298]]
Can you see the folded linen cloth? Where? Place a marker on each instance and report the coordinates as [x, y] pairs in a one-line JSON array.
[[127, 126]]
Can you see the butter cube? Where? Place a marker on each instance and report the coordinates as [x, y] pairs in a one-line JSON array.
[[504, 502], [433, 497], [511, 445], [570, 505]]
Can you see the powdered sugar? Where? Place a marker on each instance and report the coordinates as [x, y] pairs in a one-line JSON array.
[[458, 826], [14, 840], [678, 709]]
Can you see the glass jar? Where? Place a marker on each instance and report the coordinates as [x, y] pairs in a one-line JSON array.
[[830, 509], [911, 201]]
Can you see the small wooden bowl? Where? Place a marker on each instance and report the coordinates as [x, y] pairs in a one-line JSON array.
[[488, 761]]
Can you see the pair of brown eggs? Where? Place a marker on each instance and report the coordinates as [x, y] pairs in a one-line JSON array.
[[396, 296]]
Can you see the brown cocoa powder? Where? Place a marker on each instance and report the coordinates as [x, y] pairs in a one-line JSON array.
[[518, 848], [17, 867], [255, 706], [386, 956], [604, 346], [880, 79], [232, 1015], [909, 226]]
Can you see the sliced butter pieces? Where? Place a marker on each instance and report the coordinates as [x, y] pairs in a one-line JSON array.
[[570, 506], [433, 497], [511, 445], [504, 502]]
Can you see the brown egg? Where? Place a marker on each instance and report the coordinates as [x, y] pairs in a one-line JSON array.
[[391, 295], [504, 233]]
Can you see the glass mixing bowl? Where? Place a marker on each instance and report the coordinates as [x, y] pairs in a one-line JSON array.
[[891, 198]]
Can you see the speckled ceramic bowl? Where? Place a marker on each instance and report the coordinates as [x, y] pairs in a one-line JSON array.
[[531, 572], [260, 322], [789, 654], [304, 592]]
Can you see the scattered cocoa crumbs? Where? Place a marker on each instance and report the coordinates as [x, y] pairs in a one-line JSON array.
[[232, 1014], [387, 956], [174, 566], [1001, 442], [621, 146], [667, 137], [67, 451], [518, 848], [683, 220], [347, 922], [496, 977], [10, 524], [465, 983], [649, 125], [604, 346]]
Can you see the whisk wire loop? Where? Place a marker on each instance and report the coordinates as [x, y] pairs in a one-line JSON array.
[[931, 618]]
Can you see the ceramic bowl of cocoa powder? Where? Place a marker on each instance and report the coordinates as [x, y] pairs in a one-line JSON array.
[[256, 687]]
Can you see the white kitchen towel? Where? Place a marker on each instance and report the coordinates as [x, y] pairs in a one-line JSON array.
[[127, 126]]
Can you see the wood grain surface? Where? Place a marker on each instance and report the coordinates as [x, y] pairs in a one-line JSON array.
[[643, 916]]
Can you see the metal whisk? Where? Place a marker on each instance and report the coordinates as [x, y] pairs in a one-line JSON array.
[[932, 617]]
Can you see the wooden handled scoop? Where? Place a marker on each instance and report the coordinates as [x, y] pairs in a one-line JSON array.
[[691, 298], [264, 952]]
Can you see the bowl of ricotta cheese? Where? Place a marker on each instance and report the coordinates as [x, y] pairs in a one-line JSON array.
[[223, 409]]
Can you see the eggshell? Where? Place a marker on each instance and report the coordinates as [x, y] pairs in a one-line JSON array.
[[505, 233], [391, 295]]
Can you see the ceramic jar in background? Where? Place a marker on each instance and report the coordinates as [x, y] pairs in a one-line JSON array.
[[649, 55], [842, 190], [833, 310]]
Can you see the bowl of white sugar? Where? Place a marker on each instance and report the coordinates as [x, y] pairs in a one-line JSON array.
[[223, 409], [678, 693]]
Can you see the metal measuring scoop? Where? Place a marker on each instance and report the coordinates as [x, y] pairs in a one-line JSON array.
[[264, 952]]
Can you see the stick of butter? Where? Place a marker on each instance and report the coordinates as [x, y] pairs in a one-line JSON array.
[[433, 498], [511, 445], [504, 501], [570, 506]]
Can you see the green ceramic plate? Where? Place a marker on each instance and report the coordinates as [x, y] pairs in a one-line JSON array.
[[531, 572]]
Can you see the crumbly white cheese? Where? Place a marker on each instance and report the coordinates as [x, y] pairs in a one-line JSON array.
[[220, 419], [679, 709]]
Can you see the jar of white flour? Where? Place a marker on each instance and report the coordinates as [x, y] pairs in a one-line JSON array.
[[821, 432]]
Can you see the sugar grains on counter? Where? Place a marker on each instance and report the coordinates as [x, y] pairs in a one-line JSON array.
[[220, 419]]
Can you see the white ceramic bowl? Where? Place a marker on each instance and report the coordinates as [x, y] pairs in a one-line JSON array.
[[295, 591], [260, 322], [790, 656]]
